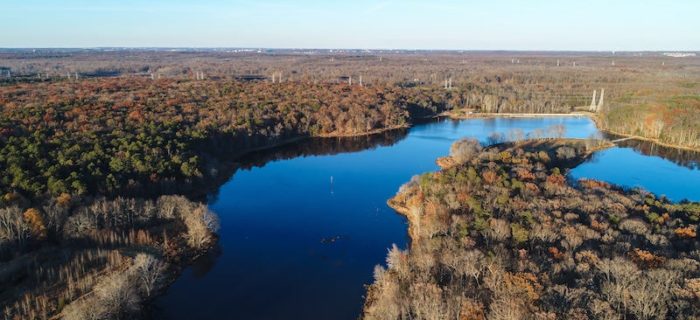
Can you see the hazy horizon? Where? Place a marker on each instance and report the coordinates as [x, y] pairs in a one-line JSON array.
[[450, 25], [204, 48]]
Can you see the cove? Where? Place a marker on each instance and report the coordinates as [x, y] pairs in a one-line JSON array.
[[302, 226]]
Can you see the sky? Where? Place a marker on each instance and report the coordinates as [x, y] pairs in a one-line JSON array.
[[596, 25]]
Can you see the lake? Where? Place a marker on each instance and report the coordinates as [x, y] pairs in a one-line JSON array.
[[302, 226]]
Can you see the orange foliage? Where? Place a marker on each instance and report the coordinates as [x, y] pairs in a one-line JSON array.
[[532, 188], [687, 232], [556, 254], [646, 259], [525, 284], [490, 177], [472, 311], [598, 226], [694, 286], [593, 184], [36, 223], [136, 115], [524, 174], [64, 199], [556, 179]]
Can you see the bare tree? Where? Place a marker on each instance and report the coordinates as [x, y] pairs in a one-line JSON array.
[[150, 270], [201, 223], [464, 150], [13, 228]]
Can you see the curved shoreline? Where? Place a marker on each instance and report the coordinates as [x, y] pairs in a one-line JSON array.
[[596, 120], [593, 116]]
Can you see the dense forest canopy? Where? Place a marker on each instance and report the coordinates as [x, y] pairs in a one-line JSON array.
[[646, 93], [86, 135], [108, 135]]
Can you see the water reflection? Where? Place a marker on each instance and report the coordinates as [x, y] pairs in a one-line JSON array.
[[303, 225], [308, 147], [687, 158], [206, 262]]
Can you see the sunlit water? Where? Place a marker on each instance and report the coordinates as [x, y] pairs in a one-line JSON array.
[[630, 168], [300, 237]]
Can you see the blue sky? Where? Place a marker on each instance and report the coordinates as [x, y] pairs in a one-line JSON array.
[[366, 24]]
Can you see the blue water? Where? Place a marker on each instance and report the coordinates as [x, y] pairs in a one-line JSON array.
[[630, 168], [300, 237]]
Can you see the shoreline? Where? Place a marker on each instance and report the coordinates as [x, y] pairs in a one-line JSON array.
[[189, 258], [399, 209], [361, 134], [490, 115], [596, 120], [405, 202], [593, 116]]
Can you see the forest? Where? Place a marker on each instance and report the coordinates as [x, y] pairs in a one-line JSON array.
[[671, 120], [106, 154], [647, 94], [501, 233], [76, 237], [96, 258], [117, 136]]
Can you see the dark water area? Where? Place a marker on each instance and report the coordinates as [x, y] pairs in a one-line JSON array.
[[302, 226]]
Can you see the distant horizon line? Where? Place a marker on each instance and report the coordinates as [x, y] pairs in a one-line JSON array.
[[329, 49]]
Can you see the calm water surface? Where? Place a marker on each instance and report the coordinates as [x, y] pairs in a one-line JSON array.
[[303, 228]]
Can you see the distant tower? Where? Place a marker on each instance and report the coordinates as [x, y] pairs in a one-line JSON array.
[[361, 84], [600, 103], [350, 80], [612, 63], [76, 76], [574, 64], [558, 62]]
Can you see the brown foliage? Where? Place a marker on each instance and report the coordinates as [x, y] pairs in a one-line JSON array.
[[603, 260], [556, 179], [593, 184], [646, 259], [472, 310]]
